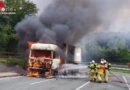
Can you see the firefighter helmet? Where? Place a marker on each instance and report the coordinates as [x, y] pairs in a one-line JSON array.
[[105, 61], [93, 61], [102, 62]]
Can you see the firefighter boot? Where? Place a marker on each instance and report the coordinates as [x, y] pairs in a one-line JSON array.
[[94, 79]]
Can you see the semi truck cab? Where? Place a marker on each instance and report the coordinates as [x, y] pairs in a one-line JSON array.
[[44, 60]]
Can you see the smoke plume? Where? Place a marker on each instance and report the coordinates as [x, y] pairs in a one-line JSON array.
[[75, 22], [63, 21]]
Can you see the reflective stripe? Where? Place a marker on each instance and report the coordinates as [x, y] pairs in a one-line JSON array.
[[101, 67]]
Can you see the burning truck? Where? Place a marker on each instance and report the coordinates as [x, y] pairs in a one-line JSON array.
[[45, 59]]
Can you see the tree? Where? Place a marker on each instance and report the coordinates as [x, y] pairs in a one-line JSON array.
[[94, 52], [8, 37], [116, 43], [115, 50], [118, 55]]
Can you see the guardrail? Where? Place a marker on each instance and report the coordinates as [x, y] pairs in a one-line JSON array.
[[20, 55], [123, 67], [120, 68]]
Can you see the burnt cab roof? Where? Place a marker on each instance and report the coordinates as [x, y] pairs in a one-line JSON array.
[[42, 46]]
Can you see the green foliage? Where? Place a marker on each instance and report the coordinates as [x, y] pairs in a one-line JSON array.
[[8, 37], [118, 55], [15, 61], [116, 51], [120, 70], [94, 51], [116, 43]]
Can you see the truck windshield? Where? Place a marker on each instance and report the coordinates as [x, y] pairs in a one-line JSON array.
[[41, 53]]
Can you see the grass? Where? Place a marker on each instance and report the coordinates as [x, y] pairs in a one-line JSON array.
[[13, 61], [120, 70]]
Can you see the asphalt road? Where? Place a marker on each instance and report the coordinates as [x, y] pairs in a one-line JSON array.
[[31, 83]]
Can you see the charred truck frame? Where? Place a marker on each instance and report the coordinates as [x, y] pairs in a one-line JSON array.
[[45, 61]]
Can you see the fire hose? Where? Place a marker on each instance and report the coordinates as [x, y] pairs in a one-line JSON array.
[[119, 80]]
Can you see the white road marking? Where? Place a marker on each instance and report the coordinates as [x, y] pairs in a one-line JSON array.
[[7, 78], [126, 82], [82, 85], [40, 81]]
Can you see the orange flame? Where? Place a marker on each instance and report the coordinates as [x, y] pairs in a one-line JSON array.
[[30, 43], [60, 61], [34, 65], [128, 63], [30, 73]]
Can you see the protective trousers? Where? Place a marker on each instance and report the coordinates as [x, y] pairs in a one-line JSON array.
[[99, 77], [106, 73], [92, 76]]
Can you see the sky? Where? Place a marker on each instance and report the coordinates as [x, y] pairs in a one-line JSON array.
[[41, 4], [119, 24]]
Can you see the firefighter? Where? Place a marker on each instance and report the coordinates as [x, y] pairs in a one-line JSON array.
[[106, 70], [92, 74], [100, 70]]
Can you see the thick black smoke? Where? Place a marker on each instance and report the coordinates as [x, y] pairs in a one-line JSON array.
[[63, 21]]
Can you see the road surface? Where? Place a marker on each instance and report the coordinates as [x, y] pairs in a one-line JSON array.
[[32, 83]]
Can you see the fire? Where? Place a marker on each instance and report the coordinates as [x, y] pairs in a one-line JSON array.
[[60, 61], [30, 43], [30, 73], [38, 53], [36, 66], [128, 63], [41, 62]]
